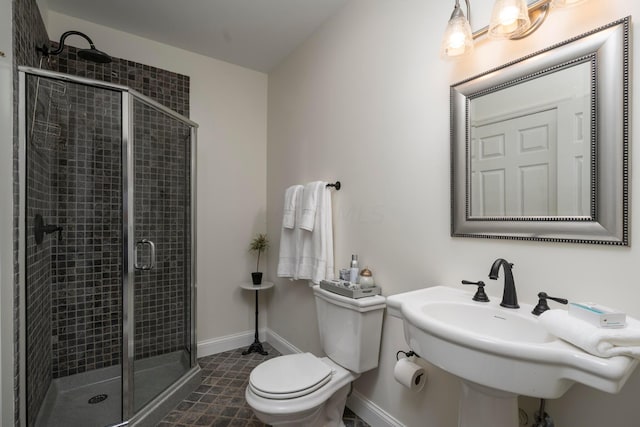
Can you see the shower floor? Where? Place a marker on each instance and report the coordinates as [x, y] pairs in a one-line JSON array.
[[67, 400]]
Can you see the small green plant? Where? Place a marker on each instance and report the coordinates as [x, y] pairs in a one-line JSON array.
[[259, 244]]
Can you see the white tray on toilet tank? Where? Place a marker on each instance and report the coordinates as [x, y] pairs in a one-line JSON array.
[[348, 292]]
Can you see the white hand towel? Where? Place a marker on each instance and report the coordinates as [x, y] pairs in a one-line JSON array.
[[315, 262], [597, 341], [290, 202], [310, 202], [328, 232], [290, 241]]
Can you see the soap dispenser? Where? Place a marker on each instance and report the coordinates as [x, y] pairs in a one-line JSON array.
[[353, 270]]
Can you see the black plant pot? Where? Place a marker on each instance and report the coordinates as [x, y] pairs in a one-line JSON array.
[[257, 278]]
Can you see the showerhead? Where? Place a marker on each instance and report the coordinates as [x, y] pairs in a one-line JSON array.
[[94, 55], [91, 54]]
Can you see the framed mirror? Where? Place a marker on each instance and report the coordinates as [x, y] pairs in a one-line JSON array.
[[540, 146]]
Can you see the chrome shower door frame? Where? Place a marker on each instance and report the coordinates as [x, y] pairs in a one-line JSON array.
[[164, 400]]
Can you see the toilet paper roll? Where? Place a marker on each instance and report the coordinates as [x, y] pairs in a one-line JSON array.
[[409, 374]]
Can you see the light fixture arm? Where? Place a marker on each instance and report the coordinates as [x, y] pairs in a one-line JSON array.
[[538, 10], [468, 11]]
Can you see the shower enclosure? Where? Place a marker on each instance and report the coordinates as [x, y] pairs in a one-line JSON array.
[[107, 253]]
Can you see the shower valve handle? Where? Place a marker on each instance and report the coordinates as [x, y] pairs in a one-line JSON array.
[[40, 229], [49, 228]]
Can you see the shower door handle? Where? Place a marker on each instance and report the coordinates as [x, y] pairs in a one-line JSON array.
[[152, 255]]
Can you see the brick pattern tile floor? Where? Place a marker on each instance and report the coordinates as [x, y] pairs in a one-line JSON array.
[[219, 400]]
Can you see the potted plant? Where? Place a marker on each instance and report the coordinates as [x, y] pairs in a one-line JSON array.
[[259, 244]]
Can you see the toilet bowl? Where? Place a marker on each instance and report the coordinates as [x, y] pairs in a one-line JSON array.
[[299, 390], [308, 391]]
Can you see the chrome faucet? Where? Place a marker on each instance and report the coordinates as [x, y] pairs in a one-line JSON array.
[[509, 297]]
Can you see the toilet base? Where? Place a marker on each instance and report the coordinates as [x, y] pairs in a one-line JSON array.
[[328, 414]]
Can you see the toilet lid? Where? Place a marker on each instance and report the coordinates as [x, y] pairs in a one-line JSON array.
[[290, 376]]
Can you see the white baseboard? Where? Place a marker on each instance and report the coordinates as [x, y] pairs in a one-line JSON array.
[[359, 404], [228, 342], [370, 412], [280, 344]]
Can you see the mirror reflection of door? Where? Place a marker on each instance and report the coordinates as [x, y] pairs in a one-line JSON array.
[[574, 158], [514, 165], [530, 152]]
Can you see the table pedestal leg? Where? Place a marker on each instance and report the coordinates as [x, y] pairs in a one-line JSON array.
[[256, 346]]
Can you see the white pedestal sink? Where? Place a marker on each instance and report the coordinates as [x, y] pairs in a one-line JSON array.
[[485, 407], [498, 353]]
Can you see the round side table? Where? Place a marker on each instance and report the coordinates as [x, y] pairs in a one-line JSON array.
[[256, 346]]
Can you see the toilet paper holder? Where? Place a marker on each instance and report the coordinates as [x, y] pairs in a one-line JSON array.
[[406, 354], [407, 373]]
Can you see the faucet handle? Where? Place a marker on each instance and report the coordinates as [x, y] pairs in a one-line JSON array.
[[480, 294], [542, 303]]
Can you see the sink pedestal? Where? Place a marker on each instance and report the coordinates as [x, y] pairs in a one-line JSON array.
[[486, 407]]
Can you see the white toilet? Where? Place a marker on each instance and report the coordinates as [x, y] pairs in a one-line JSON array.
[[305, 390]]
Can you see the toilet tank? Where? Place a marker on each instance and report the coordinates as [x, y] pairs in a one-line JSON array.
[[350, 329]]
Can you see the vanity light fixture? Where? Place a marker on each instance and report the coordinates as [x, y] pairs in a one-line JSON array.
[[458, 38], [510, 19]]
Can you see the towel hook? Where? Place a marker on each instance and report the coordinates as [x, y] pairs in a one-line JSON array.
[[337, 185]]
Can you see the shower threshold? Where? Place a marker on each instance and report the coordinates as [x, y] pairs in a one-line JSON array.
[[94, 398]]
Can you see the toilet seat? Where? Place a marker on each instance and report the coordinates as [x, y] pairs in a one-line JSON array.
[[288, 377]]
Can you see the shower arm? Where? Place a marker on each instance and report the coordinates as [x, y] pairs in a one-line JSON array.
[[45, 47]]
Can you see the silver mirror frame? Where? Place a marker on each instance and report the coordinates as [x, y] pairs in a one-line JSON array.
[[608, 50]]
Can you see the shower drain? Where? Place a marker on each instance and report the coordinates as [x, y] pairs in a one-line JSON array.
[[98, 398]]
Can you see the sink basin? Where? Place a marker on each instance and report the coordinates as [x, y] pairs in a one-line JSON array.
[[481, 320], [506, 350]]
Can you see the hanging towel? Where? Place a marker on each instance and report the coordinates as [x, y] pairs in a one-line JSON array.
[[289, 236], [310, 203], [290, 202], [597, 341], [315, 260]]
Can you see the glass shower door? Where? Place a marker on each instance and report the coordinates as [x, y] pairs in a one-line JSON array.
[[73, 269], [161, 151]]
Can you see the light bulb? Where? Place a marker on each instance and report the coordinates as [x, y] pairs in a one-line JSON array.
[[456, 40], [508, 18], [508, 15]]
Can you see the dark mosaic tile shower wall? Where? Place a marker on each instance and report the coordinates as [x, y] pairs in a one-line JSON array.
[[86, 308], [167, 88], [86, 321]]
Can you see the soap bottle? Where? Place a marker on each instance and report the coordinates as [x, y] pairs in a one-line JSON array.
[[353, 271]]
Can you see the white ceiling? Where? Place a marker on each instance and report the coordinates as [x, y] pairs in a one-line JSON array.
[[256, 34]]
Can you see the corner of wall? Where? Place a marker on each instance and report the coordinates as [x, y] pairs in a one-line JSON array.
[[43, 5]]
